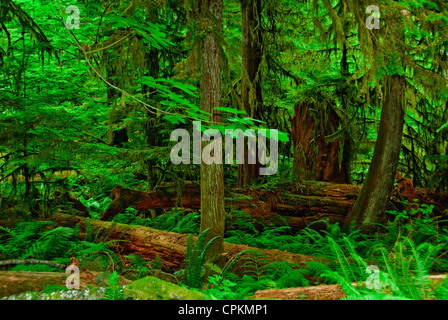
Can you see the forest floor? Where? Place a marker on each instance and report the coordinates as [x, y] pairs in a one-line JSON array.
[[286, 242]]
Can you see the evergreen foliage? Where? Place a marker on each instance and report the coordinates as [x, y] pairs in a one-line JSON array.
[[85, 110]]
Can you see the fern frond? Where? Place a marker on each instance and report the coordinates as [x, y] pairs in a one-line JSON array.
[[232, 261], [421, 278], [390, 271], [362, 265], [341, 259], [345, 284]]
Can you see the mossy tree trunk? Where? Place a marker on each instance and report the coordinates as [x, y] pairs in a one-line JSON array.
[[152, 64], [370, 206], [251, 94], [212, 175]]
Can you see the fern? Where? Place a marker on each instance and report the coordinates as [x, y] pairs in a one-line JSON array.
[[23, 236], [441, 291], [113, 291], [361, 264], [195, 258], [188, 223], [255, 264], [404, 275], [422, 256], [343, 281], [51, 244], [317, 268], [341, 259], [233, 260], [287, 275]]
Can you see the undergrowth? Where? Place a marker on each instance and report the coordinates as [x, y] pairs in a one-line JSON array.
[[400, 257], [42, 240], [174, 220], [394, 263]]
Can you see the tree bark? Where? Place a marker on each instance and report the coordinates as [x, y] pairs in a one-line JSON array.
[[212, 175], [315, 158], [251, 94], [272, 209], [371, 203], [297, 206]]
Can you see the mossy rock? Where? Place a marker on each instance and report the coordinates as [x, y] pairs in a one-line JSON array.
[[152, 288]]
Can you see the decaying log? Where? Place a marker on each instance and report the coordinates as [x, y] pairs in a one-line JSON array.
[[297, 204], [320, 292], [15, 282], [299, 210], [123, 198], [169, 246]]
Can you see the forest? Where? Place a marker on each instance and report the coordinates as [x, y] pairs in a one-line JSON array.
[[250, 150]]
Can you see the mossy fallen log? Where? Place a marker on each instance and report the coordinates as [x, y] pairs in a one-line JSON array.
[[169, 246], [321, 292], [297, 204], [298, 210], [16, 282]]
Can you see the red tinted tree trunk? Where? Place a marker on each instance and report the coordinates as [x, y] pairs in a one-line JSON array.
[[315, 158]]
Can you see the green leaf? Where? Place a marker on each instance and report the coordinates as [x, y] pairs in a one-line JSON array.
[[230, 110], [174, 118], [442, 127]]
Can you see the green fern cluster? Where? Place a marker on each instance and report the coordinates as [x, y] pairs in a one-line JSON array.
[[195, 258], [307, 241], [36, 239], [403, 272], [96, 207], [258, 274], [42, 240], [174, 221]]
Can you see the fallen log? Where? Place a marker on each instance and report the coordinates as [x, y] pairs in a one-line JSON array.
[[33, 261], [169, 246], [168, 197], [320, 292], [295, 209], [297, 204], [15, 282]]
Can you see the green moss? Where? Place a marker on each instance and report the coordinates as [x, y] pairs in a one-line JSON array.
[[238, 197], [152, 288]]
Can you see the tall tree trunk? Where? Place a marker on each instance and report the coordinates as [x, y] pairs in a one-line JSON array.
[[251, 95], [314, 157], [345, 139], [26, 170], [212, 175], [152, 69], [371, 203]]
